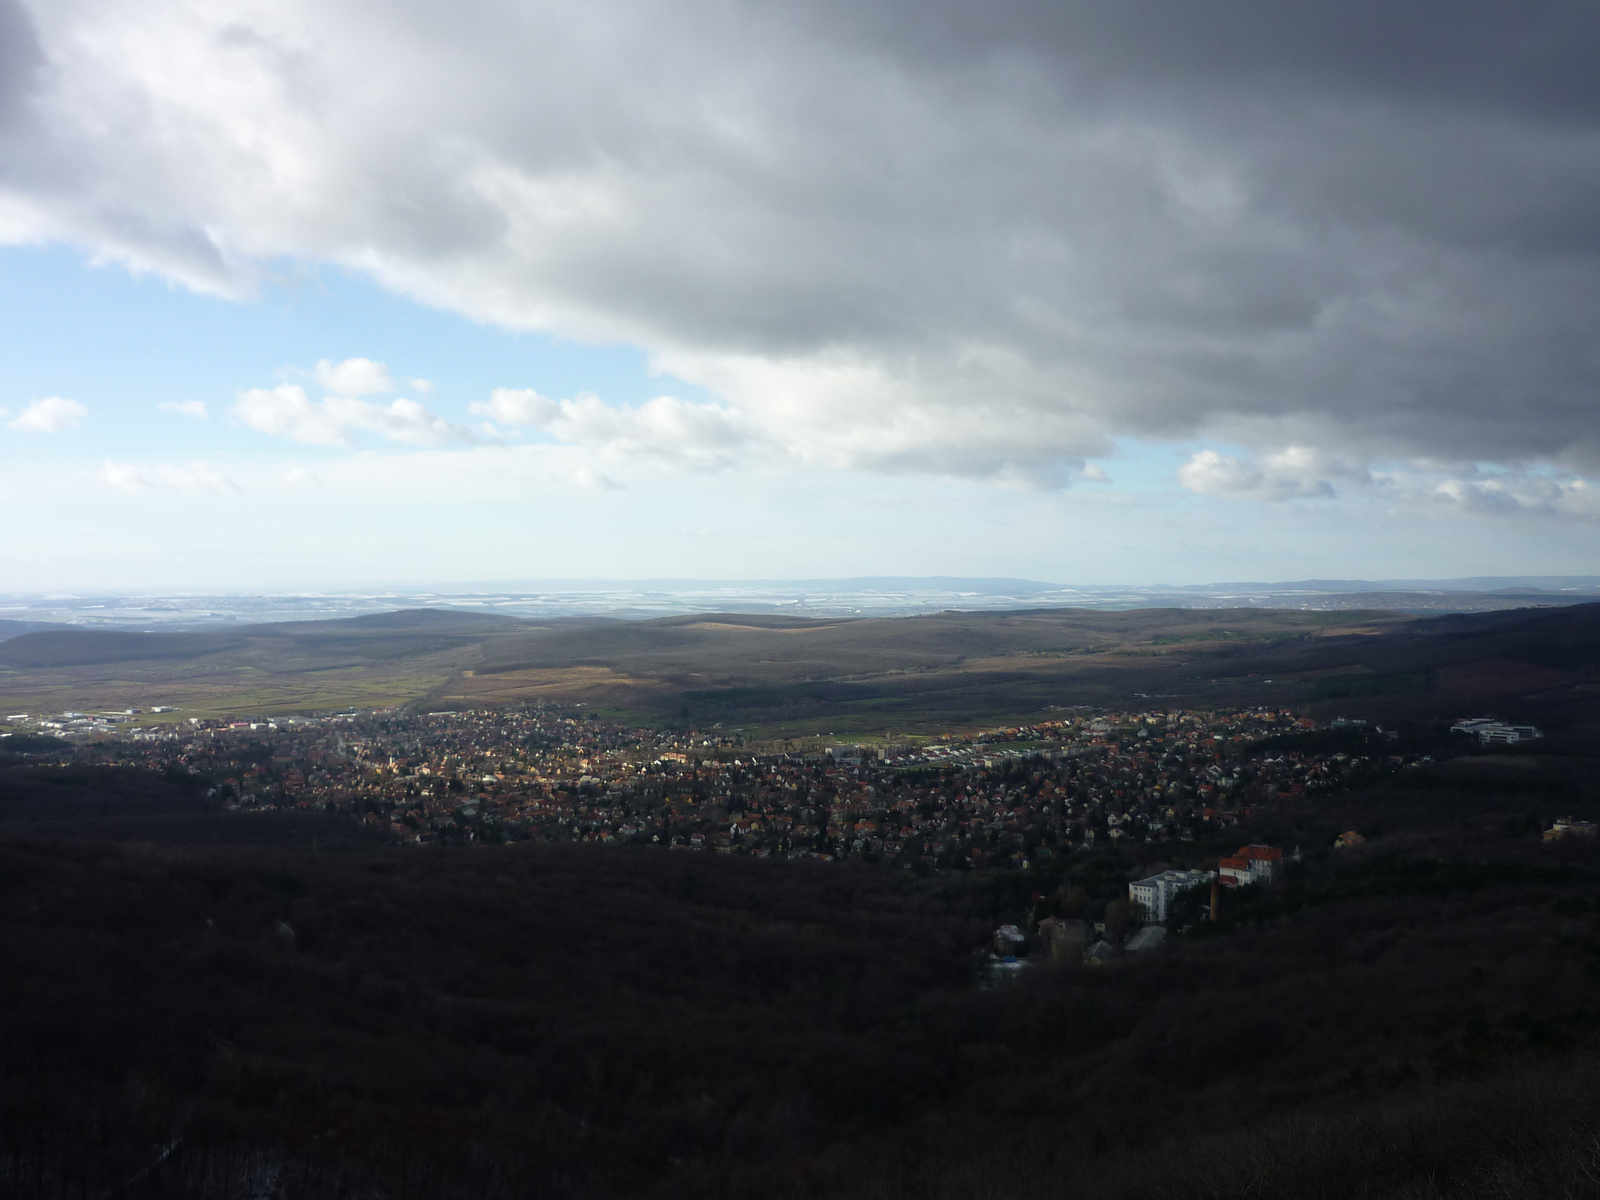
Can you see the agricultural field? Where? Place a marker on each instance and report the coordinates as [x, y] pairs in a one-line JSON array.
[[788, 677], [256, 671]]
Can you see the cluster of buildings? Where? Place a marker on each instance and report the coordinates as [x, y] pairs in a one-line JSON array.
[[993, 798], [1151, 898], [1490, 732], [80, 724], [1151, 905]]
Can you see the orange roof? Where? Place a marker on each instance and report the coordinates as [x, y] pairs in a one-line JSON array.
[[1269, 853], [1237, 864]]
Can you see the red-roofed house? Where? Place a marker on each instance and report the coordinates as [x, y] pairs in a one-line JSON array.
[[1252, 864]]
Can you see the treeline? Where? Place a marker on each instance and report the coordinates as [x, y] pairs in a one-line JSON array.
[[61, 795]]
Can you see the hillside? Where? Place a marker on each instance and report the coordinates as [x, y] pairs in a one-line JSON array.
[[196, 1005], [381, 660], [792, 676]]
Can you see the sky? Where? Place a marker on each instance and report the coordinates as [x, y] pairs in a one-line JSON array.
[[341, 293]]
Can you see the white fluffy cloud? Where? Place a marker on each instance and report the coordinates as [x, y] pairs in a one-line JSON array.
[[286, 411], [193, 409], [1517, 493], [908, 238], [519, 408], [195, 477], [53, 414], [354, 377], [1423, 488], [666, 430], [1294, 472]]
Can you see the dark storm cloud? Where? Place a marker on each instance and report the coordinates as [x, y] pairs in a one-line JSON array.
[[965, 239], [1496, 55], [20, 59]]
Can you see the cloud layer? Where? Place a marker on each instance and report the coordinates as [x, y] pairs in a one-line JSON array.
[[908, 238]]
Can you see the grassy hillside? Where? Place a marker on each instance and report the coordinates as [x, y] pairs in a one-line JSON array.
[[383, 660], [776, 676], [782, 675]]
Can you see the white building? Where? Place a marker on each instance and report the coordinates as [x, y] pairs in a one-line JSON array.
[[1152, 897], [1488, 731]]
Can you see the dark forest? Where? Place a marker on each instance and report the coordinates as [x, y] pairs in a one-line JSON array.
[[204, 1006]]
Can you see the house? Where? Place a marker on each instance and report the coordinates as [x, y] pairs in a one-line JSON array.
[[1567, 827], [1232, 872], [1251, 864], [1152, 897]]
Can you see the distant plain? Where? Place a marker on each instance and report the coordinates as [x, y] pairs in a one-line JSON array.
[[789, 676]]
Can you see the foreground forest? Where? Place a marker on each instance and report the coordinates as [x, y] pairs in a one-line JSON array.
[[199, 1003]]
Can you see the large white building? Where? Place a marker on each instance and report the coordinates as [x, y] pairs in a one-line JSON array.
[[1491, 732], [1153, 896]]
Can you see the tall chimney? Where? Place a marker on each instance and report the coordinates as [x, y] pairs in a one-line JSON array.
[[1216, 898]]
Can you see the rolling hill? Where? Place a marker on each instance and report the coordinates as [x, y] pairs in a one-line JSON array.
[[805, 676]]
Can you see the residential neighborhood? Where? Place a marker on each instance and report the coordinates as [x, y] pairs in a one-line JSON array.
[[976, 799]]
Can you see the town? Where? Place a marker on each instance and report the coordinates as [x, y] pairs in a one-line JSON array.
[[994, 798]]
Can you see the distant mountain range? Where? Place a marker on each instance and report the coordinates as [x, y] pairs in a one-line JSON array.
[[988, 585], [1585, 584], [863, 596]]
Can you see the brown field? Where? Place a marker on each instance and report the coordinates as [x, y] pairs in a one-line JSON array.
[[236, 691], [781, 676], [262, 670], [599, 686]]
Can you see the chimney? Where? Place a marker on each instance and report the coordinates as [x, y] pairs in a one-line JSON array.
[[1216, 898]]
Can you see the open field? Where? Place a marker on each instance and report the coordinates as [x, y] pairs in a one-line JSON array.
[[789, 677], [225, 693], [263, 670], [785, 677], [775, 677]]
